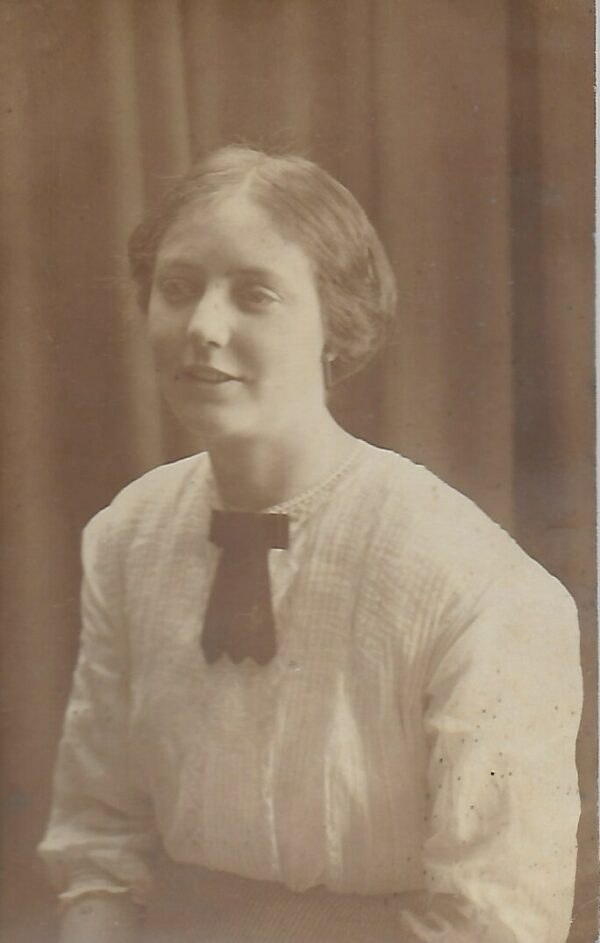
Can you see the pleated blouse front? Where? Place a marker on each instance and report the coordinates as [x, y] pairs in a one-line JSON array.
[[414, 732]]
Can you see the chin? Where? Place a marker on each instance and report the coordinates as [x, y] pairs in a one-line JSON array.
[[213, 424]]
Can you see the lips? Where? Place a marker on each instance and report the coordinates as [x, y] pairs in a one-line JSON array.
[[209, 375]]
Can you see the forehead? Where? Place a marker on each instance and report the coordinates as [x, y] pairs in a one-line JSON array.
[[232, 227]]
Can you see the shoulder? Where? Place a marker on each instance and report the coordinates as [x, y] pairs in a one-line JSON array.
[[426, 526], [411, 502], [158, 496]]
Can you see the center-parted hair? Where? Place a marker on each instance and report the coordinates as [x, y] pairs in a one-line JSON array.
[[355, 282]]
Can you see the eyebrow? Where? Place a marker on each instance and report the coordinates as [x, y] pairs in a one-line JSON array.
[[256, 272], [180, 262], [176, 264]]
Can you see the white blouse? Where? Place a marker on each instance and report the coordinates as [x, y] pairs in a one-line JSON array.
[[414, 733]]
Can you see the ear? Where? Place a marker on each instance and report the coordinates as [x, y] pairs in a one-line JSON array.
[[327, 359]]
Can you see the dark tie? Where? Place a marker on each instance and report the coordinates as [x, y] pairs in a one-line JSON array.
[[239, 616]]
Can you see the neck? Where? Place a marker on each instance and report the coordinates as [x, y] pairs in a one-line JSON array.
[[253, 474]]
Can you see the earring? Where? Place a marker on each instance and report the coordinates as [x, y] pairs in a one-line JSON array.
[[327, 360]]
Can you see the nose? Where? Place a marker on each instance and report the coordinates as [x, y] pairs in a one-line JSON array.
[[209, 323]]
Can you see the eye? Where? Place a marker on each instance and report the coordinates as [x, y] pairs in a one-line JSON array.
[[255, 295], [176, 290]]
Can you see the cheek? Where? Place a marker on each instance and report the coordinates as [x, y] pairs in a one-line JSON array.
[[296, 363], [283, 353], [305, 348], [299, 336], [164, 335]]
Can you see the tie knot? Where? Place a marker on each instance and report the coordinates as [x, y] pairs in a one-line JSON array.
[[245, 531]]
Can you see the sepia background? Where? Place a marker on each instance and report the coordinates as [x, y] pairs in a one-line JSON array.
[[466, 130]]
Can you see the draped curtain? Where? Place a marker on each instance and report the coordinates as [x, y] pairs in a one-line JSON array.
[[466, 131]]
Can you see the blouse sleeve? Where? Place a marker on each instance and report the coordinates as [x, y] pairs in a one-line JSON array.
[[502, 708], [100, 833]]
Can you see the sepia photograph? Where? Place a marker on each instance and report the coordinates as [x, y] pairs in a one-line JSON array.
[[299, 628]]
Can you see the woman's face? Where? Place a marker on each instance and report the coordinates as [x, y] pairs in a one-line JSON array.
[[235, 323]]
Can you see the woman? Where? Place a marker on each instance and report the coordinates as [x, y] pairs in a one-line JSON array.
[[320, 695]]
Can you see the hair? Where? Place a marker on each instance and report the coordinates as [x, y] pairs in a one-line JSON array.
[[355, 282]]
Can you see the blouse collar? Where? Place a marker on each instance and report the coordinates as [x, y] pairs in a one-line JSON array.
[[302, 505]]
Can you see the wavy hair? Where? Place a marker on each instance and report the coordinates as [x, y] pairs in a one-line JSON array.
[[355, 282]]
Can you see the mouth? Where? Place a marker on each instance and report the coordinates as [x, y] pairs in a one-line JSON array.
[[208, 375]]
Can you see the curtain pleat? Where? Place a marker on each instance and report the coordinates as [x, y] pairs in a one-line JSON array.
[[125, 188], [466, 131], [201, 39], [443, 209], [552, 200]]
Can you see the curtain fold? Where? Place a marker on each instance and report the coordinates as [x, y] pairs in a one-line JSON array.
[[465, 129], [443, 209]]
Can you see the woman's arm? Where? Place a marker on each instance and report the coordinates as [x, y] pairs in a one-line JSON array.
[[101, 828], [502, 707], [100, 918]]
